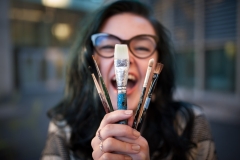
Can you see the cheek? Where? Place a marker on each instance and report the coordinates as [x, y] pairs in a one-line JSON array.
[[106, 68], [102, 64]]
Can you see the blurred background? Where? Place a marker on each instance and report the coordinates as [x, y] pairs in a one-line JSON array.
[[36, 36]]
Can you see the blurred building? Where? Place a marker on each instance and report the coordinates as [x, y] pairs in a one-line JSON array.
[[42, 33], [206, 38], [37, 35]]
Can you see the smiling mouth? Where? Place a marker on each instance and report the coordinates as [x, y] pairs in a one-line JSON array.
[[132, 81]]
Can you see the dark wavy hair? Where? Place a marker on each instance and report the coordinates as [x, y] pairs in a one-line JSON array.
[[81, 107]]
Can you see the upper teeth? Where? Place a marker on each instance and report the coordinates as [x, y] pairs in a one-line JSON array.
[[130, 77]]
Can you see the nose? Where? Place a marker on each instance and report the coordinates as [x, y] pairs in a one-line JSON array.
[[131, 57]]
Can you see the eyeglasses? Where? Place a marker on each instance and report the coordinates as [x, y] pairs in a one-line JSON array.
[[141, 46]]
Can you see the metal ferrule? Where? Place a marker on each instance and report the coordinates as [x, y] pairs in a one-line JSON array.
[[122, 89], [121, 72]]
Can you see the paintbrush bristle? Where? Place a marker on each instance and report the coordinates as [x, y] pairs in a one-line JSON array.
[[150, 62], [158, 68], [121, 51]]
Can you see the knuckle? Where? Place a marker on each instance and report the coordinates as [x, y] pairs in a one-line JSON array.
[[108, 127], [144, 156], [106, 116], [92, 142], [94, 154], [145, 142], [106, 156], [126, 146], [108, 143], [129, 130]]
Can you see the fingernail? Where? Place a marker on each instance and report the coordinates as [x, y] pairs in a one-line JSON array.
[[135, 147], [136, 133], [127, 158], [128, 112]]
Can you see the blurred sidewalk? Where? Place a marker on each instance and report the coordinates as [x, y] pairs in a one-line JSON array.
[[24, 125]]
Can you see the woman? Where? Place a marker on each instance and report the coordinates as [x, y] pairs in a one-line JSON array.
[[79, 129]]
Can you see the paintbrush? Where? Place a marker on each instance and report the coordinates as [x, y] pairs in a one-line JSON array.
[[155, 76], [149, 69], [103, 85], [121, 65], [100, 93]]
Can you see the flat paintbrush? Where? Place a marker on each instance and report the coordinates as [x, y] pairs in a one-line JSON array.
[[100, 93], [103, 85], [121, 66]]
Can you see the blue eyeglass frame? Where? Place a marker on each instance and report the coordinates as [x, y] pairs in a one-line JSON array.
[[94, 36]]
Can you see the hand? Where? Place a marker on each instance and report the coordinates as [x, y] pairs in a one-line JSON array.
[[119, 141]]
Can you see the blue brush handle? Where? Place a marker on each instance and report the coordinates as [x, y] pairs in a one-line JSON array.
[[122, 105]]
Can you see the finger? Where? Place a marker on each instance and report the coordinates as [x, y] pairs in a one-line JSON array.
[[112, 156], [140, 141], [115, 130], [114, 145], [97, 139], [130, 121], [115, 116], [143, 153], [119, 130], [95, 142]]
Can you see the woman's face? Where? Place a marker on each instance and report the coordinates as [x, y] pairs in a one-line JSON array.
[[126, 26]]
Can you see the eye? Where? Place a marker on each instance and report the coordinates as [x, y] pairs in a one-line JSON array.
[[106, 48], [141, 48]]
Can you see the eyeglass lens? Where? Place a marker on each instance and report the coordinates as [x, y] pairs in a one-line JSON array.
[[141, 46]]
